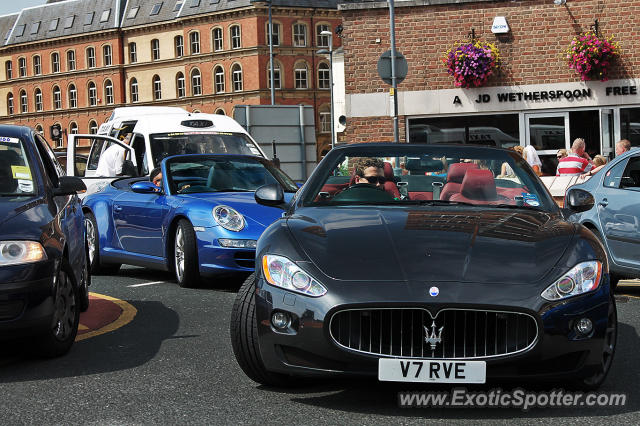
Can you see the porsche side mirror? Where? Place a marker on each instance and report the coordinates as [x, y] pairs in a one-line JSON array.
[[270, 195], [145, 187], [69, 185], [579, 200]]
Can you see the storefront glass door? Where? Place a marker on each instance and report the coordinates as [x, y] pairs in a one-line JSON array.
[[606, 133], [547, 132]]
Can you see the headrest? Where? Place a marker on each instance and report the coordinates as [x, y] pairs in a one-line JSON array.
[[479, 185], [456, 171], [388, 171]]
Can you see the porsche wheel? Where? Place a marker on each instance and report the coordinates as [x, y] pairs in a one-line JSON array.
[[93, 245], [57, 340], [185, 255], [608, 350], [244, 338]]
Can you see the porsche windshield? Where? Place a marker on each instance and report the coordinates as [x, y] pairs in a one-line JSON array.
[[167, 144], [428, 175], [16, 177], [191, 174]]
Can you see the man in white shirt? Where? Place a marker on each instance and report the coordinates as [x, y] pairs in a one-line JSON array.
[[111, 160]]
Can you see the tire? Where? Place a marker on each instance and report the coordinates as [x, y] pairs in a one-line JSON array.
[[608, 349], [613, 277], [244, 338], [185, 255], [57, 340], [93, 243], [86, 282]]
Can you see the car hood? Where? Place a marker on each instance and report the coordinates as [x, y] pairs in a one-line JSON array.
[[22, 216], [243, 202], [431, 245]]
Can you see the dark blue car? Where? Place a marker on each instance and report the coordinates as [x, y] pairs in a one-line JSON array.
[[44, 274], [202, 221]]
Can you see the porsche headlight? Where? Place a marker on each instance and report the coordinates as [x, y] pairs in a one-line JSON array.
[[228, 218], [281, 272], [17, 252], [582, 278]]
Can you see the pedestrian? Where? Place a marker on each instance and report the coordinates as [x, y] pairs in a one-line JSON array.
[[575, 163], [561, 153], [531, 155], [622, 146]]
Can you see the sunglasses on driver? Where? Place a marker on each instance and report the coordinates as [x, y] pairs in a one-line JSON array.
[[373, 180]]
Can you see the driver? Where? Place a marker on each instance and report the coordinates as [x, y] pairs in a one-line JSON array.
[[369, 170], [156, 177]]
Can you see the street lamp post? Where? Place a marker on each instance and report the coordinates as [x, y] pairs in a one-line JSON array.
[[330, 53]]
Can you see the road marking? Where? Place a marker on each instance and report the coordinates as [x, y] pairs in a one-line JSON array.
[[128, 313], [145, 284]]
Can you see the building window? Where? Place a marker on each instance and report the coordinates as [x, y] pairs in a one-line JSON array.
[[156, 9], [68, 23], [71, 60], [105, 15], [322, 40], [220, 111], [325, 122], [300, 35], [194, 42], [323, 76], [24, 106], [39, 129], [275, 34], [37, 65], [88, 18], [181, 91], [217, 39], [55, 62], [22, 67], [93, 127], [35, 27], [196, 82], [133, 53], [155, 49], [8, 66], [38, 100], [108, 92], [57, 98], [236, 40], [93, 94], [179, 43], [134, 90], [157, 88], [54, 24], [301, 75], [91, 57], [277, 78], [133, 12], [106, 53], [178, 5], [73, 96], [10, 103], [73, 128], [218, 76], [236, 76]]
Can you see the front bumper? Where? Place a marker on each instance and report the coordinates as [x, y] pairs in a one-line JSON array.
[[26, 298], [306, 348], [216, 260]]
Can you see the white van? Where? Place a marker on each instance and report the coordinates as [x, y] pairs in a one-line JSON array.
[[156, 133]]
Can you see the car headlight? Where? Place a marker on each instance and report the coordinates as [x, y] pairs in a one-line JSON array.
[[582, 278], [281, 272], [17, 252], [228, 218]]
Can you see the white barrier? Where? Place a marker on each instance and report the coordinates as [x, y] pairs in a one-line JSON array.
[[558, 185]]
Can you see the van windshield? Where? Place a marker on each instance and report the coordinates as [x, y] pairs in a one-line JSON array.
[[167, 144]]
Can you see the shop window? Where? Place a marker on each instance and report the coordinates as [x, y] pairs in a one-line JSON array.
[[630, 125]]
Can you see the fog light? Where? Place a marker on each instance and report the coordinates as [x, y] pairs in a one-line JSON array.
[[280, 320], [227, 242], [584, 326]]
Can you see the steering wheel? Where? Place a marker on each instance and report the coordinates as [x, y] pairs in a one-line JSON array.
[[363, 192]]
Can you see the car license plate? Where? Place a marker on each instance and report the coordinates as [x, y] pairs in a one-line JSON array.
[[431, 371]]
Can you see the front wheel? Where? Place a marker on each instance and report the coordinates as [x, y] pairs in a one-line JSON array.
[[608, 349], [185, 255]]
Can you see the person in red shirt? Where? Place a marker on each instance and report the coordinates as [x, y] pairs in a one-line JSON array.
[[576, 163]]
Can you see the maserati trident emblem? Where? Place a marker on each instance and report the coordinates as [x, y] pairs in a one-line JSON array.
[[432, 338]]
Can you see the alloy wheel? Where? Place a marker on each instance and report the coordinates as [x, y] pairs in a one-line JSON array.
[[91, 239], [64, 316], [179, 254]]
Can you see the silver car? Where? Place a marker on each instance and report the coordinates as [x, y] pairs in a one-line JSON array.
[[615, 215]]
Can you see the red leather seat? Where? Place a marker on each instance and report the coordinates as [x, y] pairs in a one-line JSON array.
[[455, 176], [390, 185], [478, 187]]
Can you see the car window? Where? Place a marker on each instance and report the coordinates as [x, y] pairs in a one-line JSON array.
[[49, 166], [631, 176], [138, 145], [16, 174], [94, 156], [614, 174], [60, 171]]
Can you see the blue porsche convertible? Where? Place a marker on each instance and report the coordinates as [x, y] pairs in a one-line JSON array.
[[201, 220]]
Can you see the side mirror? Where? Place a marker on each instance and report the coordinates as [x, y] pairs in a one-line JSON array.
[[69, 185], [270, 195], [579, 200], [145, 187]]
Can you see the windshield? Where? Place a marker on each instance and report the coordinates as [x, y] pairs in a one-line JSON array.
[[191, 174], [167, 144], [428, 175], [16, 176]]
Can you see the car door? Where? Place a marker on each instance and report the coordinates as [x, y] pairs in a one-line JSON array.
[[138, 220], [618, 203]]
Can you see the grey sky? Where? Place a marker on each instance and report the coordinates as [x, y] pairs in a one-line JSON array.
[[13, 6]]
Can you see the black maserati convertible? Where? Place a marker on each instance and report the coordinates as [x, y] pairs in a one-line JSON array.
[[455, 267]]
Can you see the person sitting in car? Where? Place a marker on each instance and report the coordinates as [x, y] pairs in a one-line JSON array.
[[369, 171]]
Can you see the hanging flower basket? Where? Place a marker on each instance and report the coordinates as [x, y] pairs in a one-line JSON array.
[[591, 55], [471, 64]]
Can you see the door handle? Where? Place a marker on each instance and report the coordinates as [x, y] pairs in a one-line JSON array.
[[117, 208], [603, 203]]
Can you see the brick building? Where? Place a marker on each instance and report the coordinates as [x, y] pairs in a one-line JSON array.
[[71, 62], [535, 98]]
